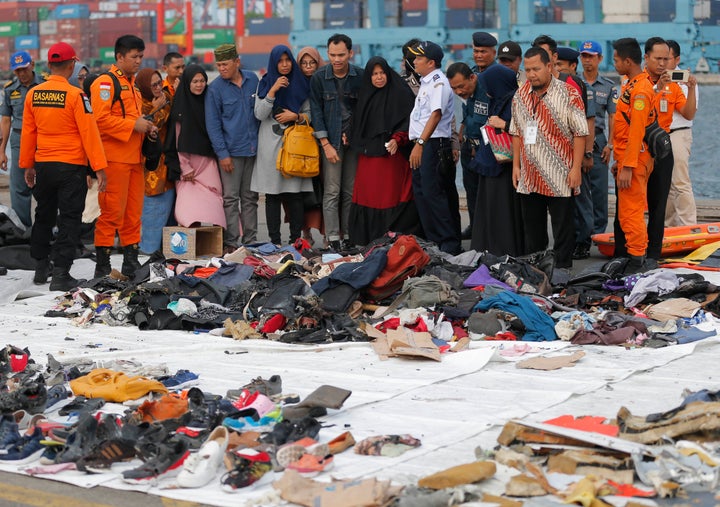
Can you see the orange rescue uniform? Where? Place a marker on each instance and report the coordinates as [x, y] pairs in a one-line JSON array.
[[636, 102], [666, 102], [58, 126], [167, 86], [121, 203]]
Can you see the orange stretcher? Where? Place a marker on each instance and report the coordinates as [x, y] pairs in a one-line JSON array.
[[676, 240]]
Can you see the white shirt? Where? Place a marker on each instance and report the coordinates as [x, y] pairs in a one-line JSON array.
[[434, 93], [678, 120]]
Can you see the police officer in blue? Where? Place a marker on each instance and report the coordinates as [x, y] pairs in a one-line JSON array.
[[605, 93], [11, 112], [468, 86], [431, 158]]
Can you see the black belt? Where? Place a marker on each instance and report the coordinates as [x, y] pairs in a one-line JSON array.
[[679, 128]]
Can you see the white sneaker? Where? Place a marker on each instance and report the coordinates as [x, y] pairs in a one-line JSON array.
[[200, 468]]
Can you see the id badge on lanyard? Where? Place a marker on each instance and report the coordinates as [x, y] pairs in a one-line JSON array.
[[663, 105], [531, 131]]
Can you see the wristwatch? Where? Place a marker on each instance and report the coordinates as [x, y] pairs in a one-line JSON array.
[[420, 141], [588, 154]]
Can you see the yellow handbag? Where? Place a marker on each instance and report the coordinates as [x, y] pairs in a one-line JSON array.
[[299, 154]]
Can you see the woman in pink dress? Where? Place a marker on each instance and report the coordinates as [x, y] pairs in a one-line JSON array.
[[189, 155]]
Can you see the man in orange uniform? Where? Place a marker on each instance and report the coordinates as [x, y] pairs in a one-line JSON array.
[[633, 163], [59, 136], [173, 66], [669, 98], [122, 127]]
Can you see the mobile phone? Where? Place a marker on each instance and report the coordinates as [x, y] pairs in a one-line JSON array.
[[679, 76]]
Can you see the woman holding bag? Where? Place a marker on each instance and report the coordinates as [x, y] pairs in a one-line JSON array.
[[190, 157], [280, 100], [497, 224]]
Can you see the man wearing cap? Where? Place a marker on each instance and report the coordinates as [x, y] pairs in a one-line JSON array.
[[567, 63], [233, 131], [11, 111], [333, 95], [549, 128], [59, 138], [483, 50], [605, 94], [509, 54], [432, 158], [122, 128]]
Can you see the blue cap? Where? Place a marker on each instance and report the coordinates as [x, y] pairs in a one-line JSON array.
[[591, 47], [483, 40], [567, 54], [20, 59], [430, 50]]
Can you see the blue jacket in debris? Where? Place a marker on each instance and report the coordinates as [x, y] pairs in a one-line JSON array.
[[539, 326]]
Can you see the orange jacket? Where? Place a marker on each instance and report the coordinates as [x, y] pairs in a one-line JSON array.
[[672, 93], [58, 126], [168, 87], [636, 101], [121, 142]]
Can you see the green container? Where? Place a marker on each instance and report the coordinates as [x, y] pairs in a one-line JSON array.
[[13, 28], [213, 38], [107, 55], [178, 29], [43, 13]]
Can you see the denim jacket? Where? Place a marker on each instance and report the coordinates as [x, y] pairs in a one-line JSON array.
[[324, 103]]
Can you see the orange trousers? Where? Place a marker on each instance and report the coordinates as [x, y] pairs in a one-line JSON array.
[[631, 206], [121, 205]]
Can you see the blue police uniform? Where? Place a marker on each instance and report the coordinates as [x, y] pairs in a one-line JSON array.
[[475, 115], [12, 106]]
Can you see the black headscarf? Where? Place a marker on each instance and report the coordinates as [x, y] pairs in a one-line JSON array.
[[380, 112], [501, 85], [189, 110]]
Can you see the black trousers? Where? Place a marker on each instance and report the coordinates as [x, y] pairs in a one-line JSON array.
[[436, 195], [471, 179], [535, 208], [295, 211], [59, 190], [658, 189]]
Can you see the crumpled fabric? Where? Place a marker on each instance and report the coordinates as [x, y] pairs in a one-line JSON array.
[[660, 283], [570, 322], [672, 309], [386, 445], [240, 329], [182, 306], [605, 334], [538, 325]]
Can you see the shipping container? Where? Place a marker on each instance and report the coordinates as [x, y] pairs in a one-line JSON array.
[[342, 24], [48, 27], [464, 18], [635, 8], [317, 10], [465, 4], [106, 54], [213, 37], [342, 10], [73, 25], [391, 21], [70, 11], [414, 18], [254, 61], [7, 45], [27, 42], [267, 26], [13, 28], [316, 24], [260, 43], [414, 5]]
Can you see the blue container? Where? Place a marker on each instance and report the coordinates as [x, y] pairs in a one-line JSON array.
[[71, 11], [33, 28], [27, 42], [463, 18], [414, 18], [268, 26], [340, 24], [343, 10], [254, 61]]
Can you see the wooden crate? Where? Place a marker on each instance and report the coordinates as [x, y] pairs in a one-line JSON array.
[[192, 242]]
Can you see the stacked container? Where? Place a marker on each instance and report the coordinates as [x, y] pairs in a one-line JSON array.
[[343, 15], [261, 34]]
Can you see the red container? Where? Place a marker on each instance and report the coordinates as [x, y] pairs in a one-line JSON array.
[[466, 4], [260, 43], [73, 25], [7, 44], [414, 5]]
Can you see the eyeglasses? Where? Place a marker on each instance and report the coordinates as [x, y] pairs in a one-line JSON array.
[[308, 63], [157, 84]]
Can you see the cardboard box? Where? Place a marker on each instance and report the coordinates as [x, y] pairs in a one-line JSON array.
[[192, 242]]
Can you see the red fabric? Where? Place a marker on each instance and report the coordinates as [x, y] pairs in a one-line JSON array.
[[274, 323], [382, 182], [204, 272]]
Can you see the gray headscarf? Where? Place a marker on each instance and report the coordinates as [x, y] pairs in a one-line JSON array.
[[74, 78]]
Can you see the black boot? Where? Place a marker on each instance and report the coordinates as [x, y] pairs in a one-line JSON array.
[[130, 260], [102, 261], [43, 268], [636, 264], [63, 280]]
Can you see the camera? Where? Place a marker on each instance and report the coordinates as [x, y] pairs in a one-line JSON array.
[[679, 76]]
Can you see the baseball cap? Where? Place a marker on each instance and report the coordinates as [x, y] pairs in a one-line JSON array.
[[591, 47], [509, 50], [61, 52], [567, 54], [484, 40], [428, 49], [20, 60]]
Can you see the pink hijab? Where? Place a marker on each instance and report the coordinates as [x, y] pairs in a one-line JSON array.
[[312, 53]]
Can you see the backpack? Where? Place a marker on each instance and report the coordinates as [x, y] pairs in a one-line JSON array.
[[299, 154], [657, 139], [405, 259], [117, 89]]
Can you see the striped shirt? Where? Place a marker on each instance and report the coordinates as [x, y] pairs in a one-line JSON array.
[[560, 117]]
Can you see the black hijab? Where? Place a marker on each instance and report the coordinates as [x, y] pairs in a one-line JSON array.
[[501, 85], [380, 112], [189, 110]]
